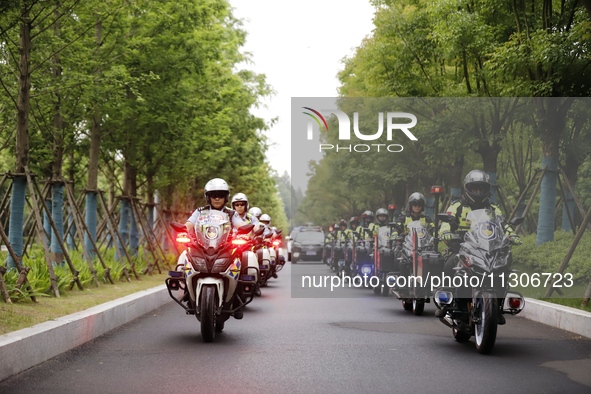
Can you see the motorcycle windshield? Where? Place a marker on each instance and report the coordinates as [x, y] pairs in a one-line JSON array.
[[423, 238], [212, 229], [486, 230]]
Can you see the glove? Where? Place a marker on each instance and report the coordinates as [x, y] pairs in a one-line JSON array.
[[446, 236], [515, 239]]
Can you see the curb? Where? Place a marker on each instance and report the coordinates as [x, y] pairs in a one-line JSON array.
[[559, 316], [31, 346]]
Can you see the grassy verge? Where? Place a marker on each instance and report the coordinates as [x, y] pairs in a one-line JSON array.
[[546, 258], [25, 313]]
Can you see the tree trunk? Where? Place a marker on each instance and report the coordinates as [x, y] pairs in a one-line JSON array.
[[551, 115], [571, 168], [17, 201], [93, 163], [57, 188]]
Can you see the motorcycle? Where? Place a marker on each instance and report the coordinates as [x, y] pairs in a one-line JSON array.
[[280, 259], [484, 263], [384, 261], [219, 275], [417, 260], [264, 258], [363, 264]]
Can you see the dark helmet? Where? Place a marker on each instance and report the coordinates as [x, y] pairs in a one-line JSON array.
[[367, 217], [477, 187], [216, 186], [416, 199], [382, 216], [354, 219]]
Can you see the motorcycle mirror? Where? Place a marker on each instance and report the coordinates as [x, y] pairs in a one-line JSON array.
[[268, 235], [245, 229], [516, 221], [279, 231], [178, 227], [259, 231]]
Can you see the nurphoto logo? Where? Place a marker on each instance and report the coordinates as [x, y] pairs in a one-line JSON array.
[[391, 124]]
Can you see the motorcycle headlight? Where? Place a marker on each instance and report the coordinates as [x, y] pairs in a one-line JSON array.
[[366, 269], [199, 264], [501, 259], [220, 265]]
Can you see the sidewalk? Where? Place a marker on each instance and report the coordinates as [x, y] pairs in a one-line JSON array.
[[31, 346]]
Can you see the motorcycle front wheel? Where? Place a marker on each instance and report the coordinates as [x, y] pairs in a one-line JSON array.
[[207, 311], [486, 311]]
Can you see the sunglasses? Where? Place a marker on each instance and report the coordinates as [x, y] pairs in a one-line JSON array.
[[239, 204], [217, 195]]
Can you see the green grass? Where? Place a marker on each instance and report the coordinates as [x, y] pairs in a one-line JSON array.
[[547, 258], [23, 312]]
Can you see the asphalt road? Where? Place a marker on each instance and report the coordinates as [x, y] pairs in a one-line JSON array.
[[362, 344]]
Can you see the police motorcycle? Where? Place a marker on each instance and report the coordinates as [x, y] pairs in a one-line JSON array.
[[328, 246], [264, 257], [280, 258], [277, 261], [384, 259], [363, 263], [477, 304], [339, 249], [219, 274], [418, 260]]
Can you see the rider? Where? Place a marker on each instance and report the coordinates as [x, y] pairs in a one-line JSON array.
[[475, 196], [369, 228], [354, 236], [216, 193], [240, 207], [384, 236], [415, 208], [328, 240]]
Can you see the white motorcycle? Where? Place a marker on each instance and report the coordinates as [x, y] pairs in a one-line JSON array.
[[217, 274]]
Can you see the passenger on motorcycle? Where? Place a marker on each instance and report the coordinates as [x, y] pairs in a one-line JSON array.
[[476, 196]]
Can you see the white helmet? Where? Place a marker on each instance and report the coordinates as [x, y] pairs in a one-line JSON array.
[[240, 197], [255, 211], [215, 186], [265, 218]]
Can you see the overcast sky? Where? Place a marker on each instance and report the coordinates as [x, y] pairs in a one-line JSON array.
[[299, 45]]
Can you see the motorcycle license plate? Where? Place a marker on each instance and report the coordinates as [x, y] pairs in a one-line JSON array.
[[311, 253]]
